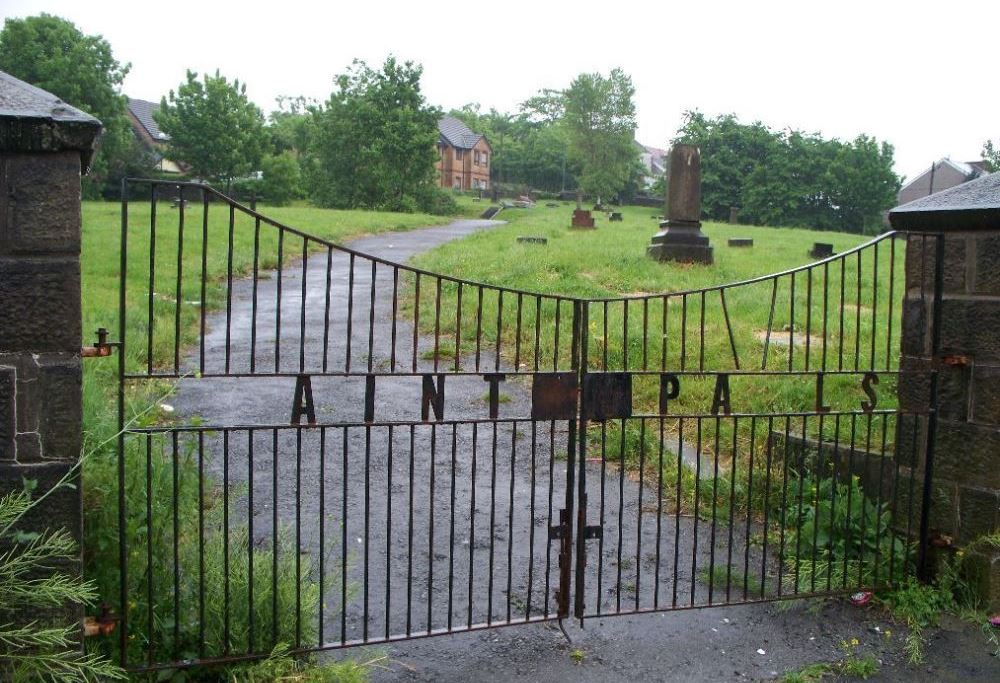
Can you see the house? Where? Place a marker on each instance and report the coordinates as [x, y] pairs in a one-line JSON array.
[[140, 115], [941, 175], [654, 160], [464, 156]]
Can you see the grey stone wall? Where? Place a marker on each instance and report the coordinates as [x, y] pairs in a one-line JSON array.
[[965, 499], [45, 146]]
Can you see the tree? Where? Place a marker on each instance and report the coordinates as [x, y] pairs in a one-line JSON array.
[[991, 155], [280, 178], [790, 177], [374, 142], [599, 116], [213, 127], [53, 54]]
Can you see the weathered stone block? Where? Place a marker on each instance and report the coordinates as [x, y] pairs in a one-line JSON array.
[[986, 394], [979, 512], [911, 434], [971, 327], [921, 259], [914, 385], [967, 453], [62, 508], [987, 265], [40, 203], [40, 304], [61, 419], [944, 502], [8, 424], [981, 569], [916, 337]]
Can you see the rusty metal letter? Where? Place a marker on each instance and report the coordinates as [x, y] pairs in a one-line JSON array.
[[722, 398], [670, 388], [867, 381], [494, 379], [433, 397], [303, 401]]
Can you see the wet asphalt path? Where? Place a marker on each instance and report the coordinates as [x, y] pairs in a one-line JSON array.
[[428, 527]]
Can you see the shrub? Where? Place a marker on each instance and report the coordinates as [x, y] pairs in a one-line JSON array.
[[43, 649]]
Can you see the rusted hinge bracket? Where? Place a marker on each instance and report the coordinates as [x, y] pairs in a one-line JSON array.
[[101, 348]]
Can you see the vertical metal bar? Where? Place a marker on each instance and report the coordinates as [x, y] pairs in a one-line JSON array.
[[701, 334], [729, 328], [150, 601], [344, 453], [578, 429], [784, 508], [277, 306], [472, 518], [225, 544], [843, 283], [924, 569], [302, 304], [850, 489], [715, 507], [809, 294], [350, 316], [767, 506], [152, 280], [555, 351], [251, 611], [857, 318], [677, 507], [510, 519], [531, 519], [659, 515], [253, 301], [493, 517], [416, 320], [748, 522], [642, 485], [548, 546], [201, 544], [458, 330], [479, 325], [697, 496], [409, 541], [875, 286], [645, 334], [298, 534], [178, 293], [388, 534], [321, 639], [517, 334], [496, 353], [123, 631], [798, 514], [451, 527], [684, 317], [437, 321], [791, 322], [621, 517], [367, 522], [604, 344], [770, 323], [599, 597], [175, 491], [395, 312], [371, 320], [625, 348], [326, 311], [538, 331], [835, 474], [430, 533], [664, 327], [826, 306], [274, 537], [732, 508], [204, 276], [892, 283]]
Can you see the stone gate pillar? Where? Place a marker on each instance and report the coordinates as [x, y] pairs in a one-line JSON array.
[[965, 494], [45, 146]]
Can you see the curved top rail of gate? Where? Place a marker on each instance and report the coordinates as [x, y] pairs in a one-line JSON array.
[[837, 314]]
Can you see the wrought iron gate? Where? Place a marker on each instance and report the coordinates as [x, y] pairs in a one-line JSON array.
[[392, 453]]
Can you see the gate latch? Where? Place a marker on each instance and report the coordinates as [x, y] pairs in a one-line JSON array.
[[593, 531], [101, 348]]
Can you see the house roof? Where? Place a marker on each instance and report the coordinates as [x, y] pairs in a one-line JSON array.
[[969, 206], [455, 133], [971, 169], [143, 112]]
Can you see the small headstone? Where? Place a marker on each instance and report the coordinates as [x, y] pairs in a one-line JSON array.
[[740, 242], [734, 215], [527, 239], [551, 205], [582, 219], [615, 216], [821, 250], [598, 207]]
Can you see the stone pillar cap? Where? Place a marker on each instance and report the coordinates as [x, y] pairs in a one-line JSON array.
[[33, 120], [974, 205]]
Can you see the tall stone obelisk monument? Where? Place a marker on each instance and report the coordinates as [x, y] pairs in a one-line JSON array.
[[680, 237]]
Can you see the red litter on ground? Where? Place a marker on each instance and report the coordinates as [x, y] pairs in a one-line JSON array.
[[861, 598]]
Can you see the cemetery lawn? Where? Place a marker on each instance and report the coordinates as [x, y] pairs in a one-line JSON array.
[[611, 261]]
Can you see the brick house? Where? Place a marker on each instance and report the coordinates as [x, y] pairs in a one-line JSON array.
[[464, 156], [942, 175], [140, 115]]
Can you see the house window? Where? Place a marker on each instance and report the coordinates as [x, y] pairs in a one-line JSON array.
[[458, 154], [476, 157], [485, 158]]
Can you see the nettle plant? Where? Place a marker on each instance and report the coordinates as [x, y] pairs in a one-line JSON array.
[[46, 649]]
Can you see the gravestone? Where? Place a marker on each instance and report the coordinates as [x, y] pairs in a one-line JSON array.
[[740, 242], [680, 237], [527, 239], [582, 219], [821, 250], [734, 215], [615, 216]]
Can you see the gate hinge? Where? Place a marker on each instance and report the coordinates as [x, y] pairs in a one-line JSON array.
[[593, 531], [101, 348]]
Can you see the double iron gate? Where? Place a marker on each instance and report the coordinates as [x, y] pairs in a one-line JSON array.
[[324, 448]]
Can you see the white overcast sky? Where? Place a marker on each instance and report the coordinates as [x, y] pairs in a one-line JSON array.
[[919, 74]]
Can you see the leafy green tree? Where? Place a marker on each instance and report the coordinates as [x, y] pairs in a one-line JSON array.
[[991, 155], [53, 54], [373, 144], [790, 177], [281, 178], [599, 116], [213, 127], [288, 125]]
